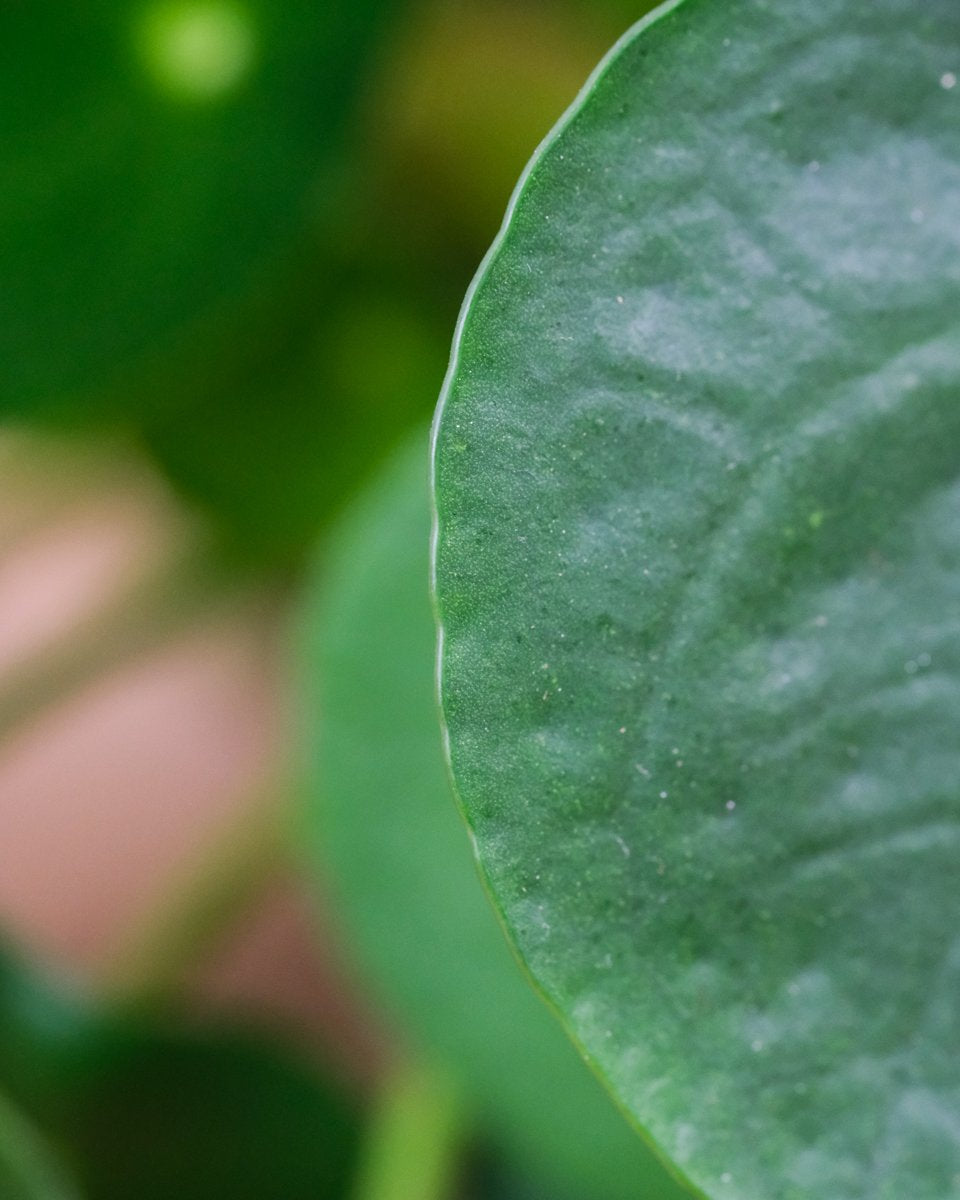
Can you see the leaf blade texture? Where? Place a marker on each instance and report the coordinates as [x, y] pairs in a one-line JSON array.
[[382, 831], [697, 568]]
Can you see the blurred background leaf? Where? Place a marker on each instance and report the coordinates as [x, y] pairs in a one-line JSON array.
[[164, 165], [137, 1108], [234, 238], [241, 231]]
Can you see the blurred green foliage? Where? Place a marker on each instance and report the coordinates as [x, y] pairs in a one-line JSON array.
[[235, 235], [136, 1107], [241, 231], [163, 165]]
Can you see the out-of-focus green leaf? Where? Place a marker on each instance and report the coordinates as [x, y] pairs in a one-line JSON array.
[[283, 434], [383, 827], [698, 572], [173, 201], [162, 166], [159, 1112], [199, 1116]]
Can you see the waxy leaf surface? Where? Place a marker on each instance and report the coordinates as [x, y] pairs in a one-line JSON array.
[[382, 827], [698, 574]]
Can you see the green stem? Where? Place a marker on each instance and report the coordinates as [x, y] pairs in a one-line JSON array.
[[413, 1140], [215, 890], [135, 623]]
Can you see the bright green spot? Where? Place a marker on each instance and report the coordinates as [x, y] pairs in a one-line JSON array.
[[726, 838], [168, 259], [815, 520], [198, 51]]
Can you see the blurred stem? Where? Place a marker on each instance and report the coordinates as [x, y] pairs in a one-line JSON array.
[[215, 890], [27, 1168], [413, 1139], [135, 622], [44, 474]]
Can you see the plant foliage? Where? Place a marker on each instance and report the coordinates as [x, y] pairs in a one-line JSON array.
[[698, 570]]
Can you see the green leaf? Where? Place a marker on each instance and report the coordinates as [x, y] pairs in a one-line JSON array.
[[385, 835], [156, 1111], [165, 169], [178, 201], [698, 572]]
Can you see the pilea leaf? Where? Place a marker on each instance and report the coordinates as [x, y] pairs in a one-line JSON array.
[[698, 575], [382, 827]]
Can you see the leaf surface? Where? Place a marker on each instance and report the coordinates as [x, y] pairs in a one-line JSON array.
[[698, 573], [385, 835]]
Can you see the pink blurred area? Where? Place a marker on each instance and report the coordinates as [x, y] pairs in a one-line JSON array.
[[117, 792], [106, 794]]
